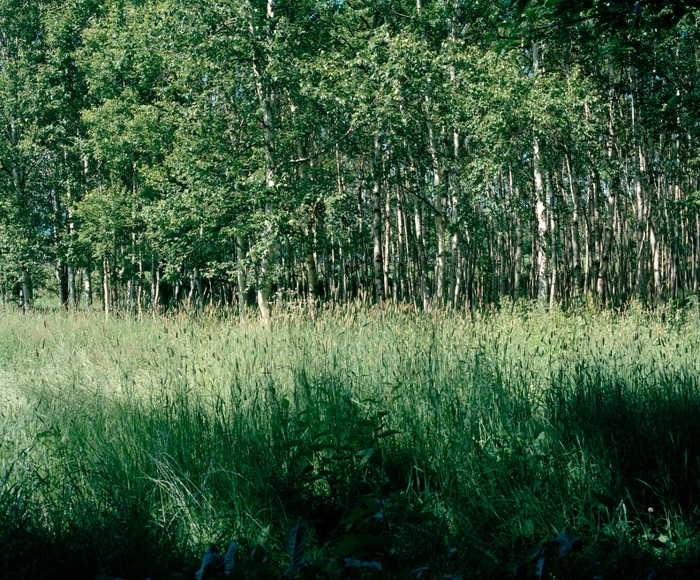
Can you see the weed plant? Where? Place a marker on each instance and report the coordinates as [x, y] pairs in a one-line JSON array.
[[413, 445]]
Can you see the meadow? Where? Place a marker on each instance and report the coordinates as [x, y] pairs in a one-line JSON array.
[[352, 444]]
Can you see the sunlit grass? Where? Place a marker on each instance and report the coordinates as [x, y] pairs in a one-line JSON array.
[[128, 446]]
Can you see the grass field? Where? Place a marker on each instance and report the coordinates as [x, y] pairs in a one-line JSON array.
[[510, 444]]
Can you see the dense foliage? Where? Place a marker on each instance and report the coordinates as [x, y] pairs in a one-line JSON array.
[[429, 446], [161, 153]]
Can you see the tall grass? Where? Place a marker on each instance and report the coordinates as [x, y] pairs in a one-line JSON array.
[[438, 444]]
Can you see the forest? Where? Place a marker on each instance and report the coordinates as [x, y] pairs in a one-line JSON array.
[[349, 289], [159, 154]]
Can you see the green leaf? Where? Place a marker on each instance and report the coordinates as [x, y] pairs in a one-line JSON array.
[[366, 456], [388, 433]]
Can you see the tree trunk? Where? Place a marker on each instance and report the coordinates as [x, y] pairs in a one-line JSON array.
[[264, 291], [401, 290], [388, 290], [518, 256], [420, 248], [553, 233], [575, 240], [27, 291], [379, 290], [656, 257], [72, 295], [439, 210], [62, 283], [455, 254], [541, 214], [418, 239], [611, 198], [540, 208], [606, 243], [104, 271], [240, 277], [638, 163], [265, 97], [87, 286], [155, 285], [311, 274]]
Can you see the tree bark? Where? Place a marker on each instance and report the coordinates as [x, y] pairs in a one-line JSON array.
[[575, 239], [540, 207], [87, 287], [439, 209], [554, 265], [27, 291], [379, 290], [265, 98]]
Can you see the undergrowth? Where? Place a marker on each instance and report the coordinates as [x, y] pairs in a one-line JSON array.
[[511, 444]]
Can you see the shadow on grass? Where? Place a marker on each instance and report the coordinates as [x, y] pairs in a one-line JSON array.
[[648, 433], [322, 456]]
